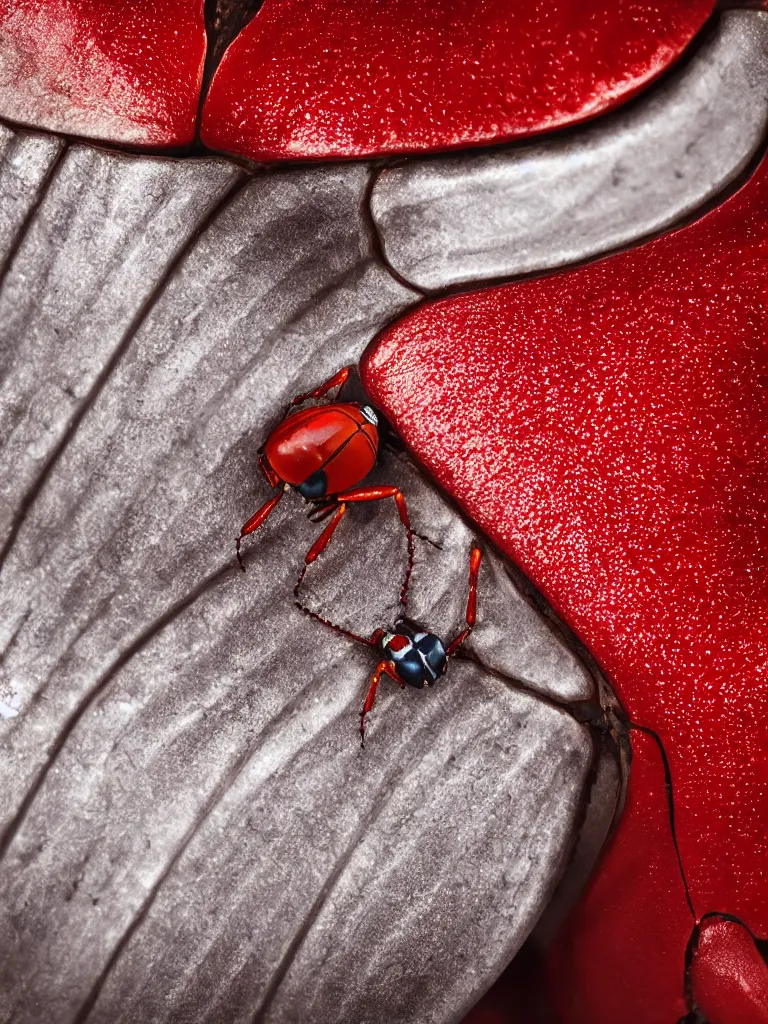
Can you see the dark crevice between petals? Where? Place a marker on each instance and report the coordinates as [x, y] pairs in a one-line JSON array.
[[671, 804], [224, 21]]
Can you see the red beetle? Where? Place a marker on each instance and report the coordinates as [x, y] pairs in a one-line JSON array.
[[323, 452]]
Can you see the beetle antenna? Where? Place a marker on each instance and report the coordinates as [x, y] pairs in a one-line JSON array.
[[409, 567], [327, 622], [255, 522], [332, 625]]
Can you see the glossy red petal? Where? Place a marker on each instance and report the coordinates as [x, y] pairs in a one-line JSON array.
[[127, 72], [340, 78], [729, 977], [635, 973], [608, 429]]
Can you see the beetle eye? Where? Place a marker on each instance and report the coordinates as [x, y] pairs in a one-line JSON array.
[[370, 415]]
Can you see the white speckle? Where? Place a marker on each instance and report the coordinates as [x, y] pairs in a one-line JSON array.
[[7, 710]]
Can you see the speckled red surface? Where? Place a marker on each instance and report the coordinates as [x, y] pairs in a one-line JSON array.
[[125, 72], [335, 78], [608, 429], [728, 975], [340, 78]]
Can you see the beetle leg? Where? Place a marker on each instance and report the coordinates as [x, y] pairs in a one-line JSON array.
[[319, 512], [332, 625], [272, 478], [255, 522], [376, 494], [317, 549], [384, 667], [320, 545], [338, 380], [474, 569]]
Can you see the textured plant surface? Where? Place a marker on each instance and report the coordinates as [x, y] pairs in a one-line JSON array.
[[190, 831]]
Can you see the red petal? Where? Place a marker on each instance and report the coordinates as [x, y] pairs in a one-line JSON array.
[[728, 975], [126, 72], [621, 954], [608, 429], [355, 77]]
